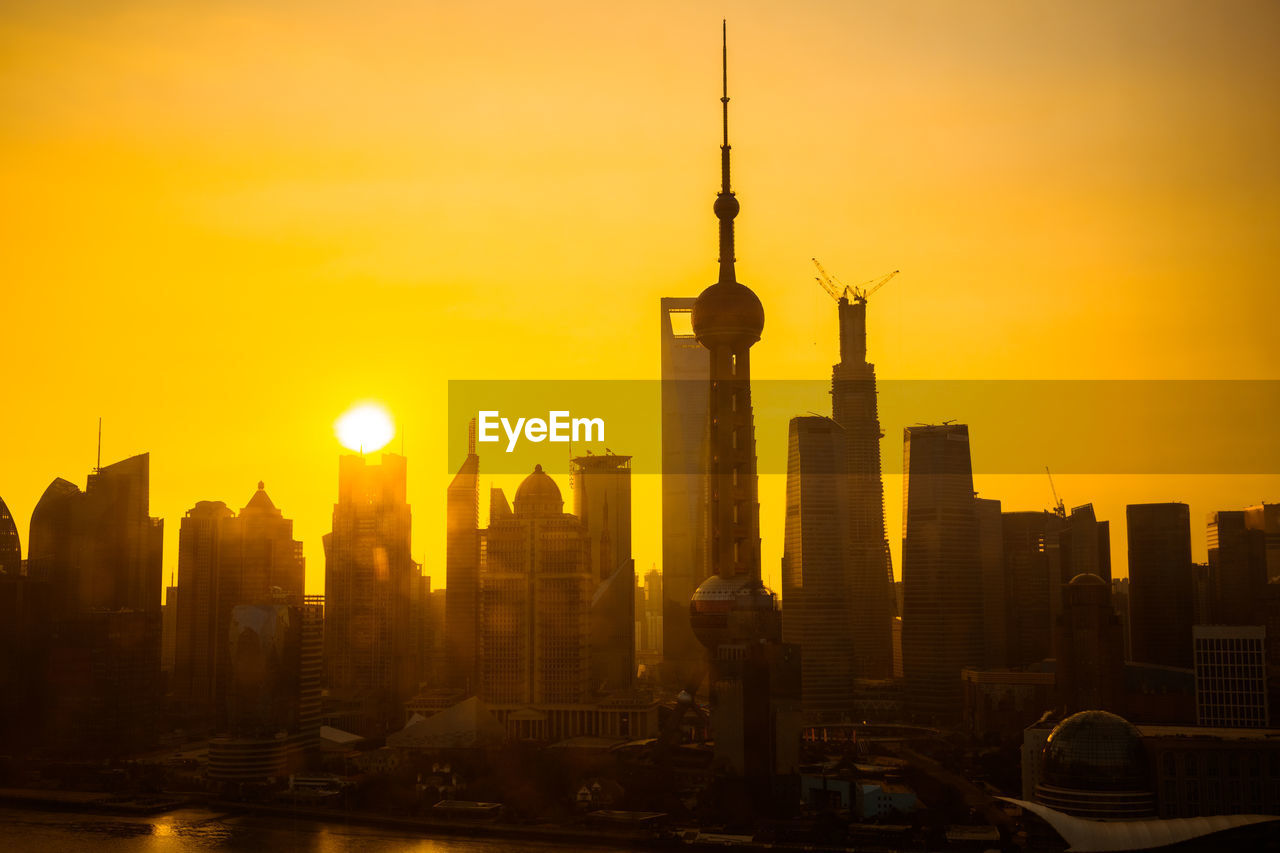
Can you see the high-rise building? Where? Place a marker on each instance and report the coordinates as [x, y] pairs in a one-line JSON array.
[[169, 629], [225, 560], [1090, 669], [817, 584], [272, 694], [1238, 569], [649, 619], [941, 572], [1033, 582], [1120, 604], [755, 678], [685, 371], [602, 500], [1084, 545], [997, 603], [462, 570], [854, 407], [26, 615], [100, 552], [536, 586], [1231, 683], [10, 544], [372, 589], [1160, 583], [1266, 518]]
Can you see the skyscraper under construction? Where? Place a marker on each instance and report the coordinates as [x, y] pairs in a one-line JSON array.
[[853, 407]]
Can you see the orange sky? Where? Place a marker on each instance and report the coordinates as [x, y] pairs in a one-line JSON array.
[[225, 223]]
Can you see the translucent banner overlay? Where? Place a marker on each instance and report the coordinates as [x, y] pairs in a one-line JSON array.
[[1014, 426]]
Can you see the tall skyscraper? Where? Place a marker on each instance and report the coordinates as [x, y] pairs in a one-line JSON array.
[[462, 570], [997, 602], [100, 552], [685, 371], [817, 585], [941, 573], [10, 544], [1238, 569], [1091, 647], [1084, 545], [649, 620], [853, 406], [536, 586], [1265, 517], [1033, 569], [225, 560], [1160, 583], [272, 695], [372, 587], [602, 500], [755, 678]]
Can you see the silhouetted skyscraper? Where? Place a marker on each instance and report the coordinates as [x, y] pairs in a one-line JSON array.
[[462, 570], [10, 544], [997, 602], [1084, 545], [101, 554], [941, 573], [1266, 518], [372, 587], [853, 406], [225, 560], [535, 599], [685, 371], [1160, 583], [1033, 570], [817, 581], [1238, 568], [1090, 666], [602, 500], [649, 619], [755, 678], [272, 695]]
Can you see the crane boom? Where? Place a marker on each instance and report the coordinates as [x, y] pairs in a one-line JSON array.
[[1059, 508], [879, 284], [828, 283]]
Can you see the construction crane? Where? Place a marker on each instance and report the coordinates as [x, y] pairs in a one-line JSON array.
[[1059, 507], [839, 290]]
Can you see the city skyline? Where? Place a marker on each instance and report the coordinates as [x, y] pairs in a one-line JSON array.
[[1070, 234], [1060, 363]]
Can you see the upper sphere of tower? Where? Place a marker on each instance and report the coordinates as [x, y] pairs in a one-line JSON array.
[[728, 312], [726, 206]]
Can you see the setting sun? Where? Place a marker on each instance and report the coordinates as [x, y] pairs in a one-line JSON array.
[[364, 428]]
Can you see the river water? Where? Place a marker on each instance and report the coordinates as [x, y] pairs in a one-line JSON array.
[[23, 831]]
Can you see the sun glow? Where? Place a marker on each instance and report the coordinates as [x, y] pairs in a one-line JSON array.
[[364, 428]]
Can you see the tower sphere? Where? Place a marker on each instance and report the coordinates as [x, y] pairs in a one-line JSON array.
[[727, 313]]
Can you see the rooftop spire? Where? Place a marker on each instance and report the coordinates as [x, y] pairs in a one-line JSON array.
[[726, 206]]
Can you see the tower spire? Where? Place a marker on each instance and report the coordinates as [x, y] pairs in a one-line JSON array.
[[726, 206]]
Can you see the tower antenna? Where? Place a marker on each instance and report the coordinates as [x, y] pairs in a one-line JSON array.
[[98, 467], [726, 206]]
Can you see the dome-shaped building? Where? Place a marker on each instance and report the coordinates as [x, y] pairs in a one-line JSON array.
[[538, 494], [1095, 766]]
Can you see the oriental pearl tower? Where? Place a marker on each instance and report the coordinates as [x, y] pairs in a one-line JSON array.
[[754, 677]]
